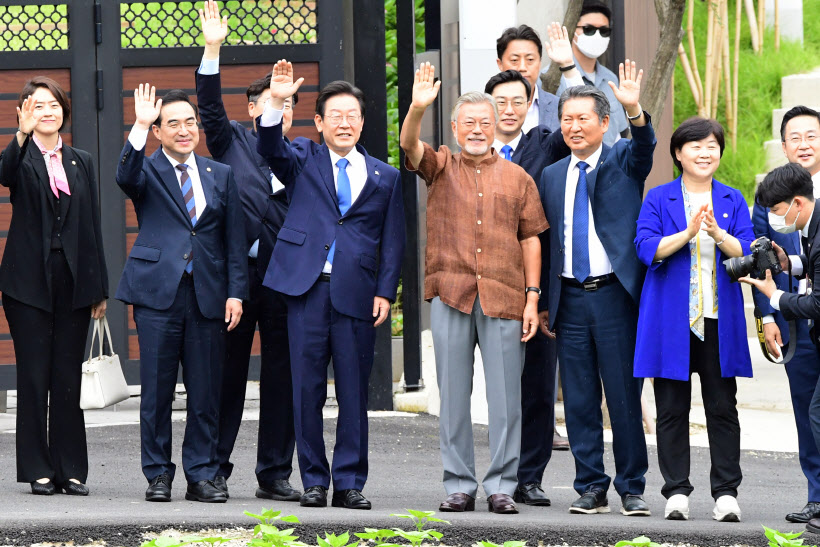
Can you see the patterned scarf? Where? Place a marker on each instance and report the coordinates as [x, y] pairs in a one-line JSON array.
[[56, 173], [696, 323]]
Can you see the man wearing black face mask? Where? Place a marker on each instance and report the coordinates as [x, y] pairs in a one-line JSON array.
[[590, 42]]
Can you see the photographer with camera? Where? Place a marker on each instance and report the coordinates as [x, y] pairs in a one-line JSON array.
[[691, 314]]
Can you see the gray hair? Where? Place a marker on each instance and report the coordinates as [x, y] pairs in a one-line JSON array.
[[474, 97], [601, 107]]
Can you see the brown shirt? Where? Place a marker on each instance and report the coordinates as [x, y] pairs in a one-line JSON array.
[[476, 216]]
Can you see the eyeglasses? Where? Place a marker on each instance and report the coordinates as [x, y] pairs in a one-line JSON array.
[[589, 30], [470, 124], [175, 125], [336, 119], [797, 139], [517, 103]]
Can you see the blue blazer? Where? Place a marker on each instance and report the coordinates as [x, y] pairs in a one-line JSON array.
[[662, 346], [791, 244], [548, 110], [615, 189], [157, 260], [369, 236]]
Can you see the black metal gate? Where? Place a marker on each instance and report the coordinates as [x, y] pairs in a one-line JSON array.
[[100, 50]]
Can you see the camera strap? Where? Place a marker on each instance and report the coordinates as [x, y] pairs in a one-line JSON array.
[[762, 340]]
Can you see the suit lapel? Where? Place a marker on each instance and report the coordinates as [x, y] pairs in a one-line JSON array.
[[70, 166], [206, 178], [592, 176], [721, 204], [326, 171], [677, 208], [518, 153], [560, 190], [370, 184], [169, 180], [39, 163]]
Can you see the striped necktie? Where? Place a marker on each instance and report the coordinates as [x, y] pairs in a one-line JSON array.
[[187, 187]]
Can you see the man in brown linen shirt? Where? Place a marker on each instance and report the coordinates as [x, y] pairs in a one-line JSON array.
[[482, 271]]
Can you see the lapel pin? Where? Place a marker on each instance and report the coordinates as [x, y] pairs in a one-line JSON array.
[[73, 162], [208, 169], [725, 215], [377, 172]]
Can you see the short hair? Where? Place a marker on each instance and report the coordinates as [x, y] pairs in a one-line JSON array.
[[338, 87], [176, 96], [47, 83], [785, 183], [601, 107], [595, 6], [506, 77], [474, 97], [523, 32], [695, 129], [794, 112], [259, 86]]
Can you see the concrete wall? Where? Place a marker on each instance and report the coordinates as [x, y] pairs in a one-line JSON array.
[[539, 14]]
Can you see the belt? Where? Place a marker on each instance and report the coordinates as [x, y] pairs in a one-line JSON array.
[[590, 283], [324, 277]]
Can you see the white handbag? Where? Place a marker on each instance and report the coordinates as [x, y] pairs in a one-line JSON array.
[[103, 383]]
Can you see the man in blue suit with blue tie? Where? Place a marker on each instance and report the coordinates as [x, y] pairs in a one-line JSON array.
[[592, 200], [337, 261], [800, 134], [186, 277]]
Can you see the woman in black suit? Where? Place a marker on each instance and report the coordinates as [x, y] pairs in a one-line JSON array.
[[53, 279]]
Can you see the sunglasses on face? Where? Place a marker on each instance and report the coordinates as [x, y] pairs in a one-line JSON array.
[[589, 30]]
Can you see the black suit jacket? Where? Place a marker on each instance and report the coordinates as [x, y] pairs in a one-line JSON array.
[[232, 144], [23, 272], [799, 306]]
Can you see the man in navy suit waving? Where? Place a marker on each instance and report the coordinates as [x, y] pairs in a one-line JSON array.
[[337, 260], [186, 277]]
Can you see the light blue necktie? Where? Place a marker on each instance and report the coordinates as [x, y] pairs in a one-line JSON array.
[[187, 187], [506, 151], [580, 226], [343, 195]]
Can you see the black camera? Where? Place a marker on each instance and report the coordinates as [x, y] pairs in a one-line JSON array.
[[763, 257]]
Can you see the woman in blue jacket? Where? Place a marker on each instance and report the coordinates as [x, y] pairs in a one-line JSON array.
[[691, 315]]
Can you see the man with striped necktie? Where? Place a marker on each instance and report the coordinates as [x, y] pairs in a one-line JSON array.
[[186, 277]]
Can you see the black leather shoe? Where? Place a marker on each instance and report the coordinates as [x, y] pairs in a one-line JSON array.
[[42, 489], [315, 496], [813, 526], [221, 484], [73, 488], [531, 494], [633, 505], [810, 511], [206, 492], [593, 501], [559, 442], [279, 489], [350, 499], [159, 489]]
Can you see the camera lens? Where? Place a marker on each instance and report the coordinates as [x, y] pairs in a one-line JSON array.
[[739, 267]]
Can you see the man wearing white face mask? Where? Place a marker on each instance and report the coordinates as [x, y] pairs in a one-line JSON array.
[[592, 35]]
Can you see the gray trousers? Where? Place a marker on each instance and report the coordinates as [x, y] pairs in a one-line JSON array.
[[455, 335]]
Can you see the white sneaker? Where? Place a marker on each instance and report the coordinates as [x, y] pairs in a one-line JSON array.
[[677, 508], [726, 509]]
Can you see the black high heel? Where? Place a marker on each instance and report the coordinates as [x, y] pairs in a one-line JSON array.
[[42, 489], [73, 488]]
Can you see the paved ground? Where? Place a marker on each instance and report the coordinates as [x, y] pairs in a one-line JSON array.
[[405, 473]]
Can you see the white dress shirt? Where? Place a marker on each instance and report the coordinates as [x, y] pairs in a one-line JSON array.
[[598, 260], [356, 169], [498, 145]]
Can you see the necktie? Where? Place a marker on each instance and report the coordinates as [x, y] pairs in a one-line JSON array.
[[57, 178], [506, 151], [580, 226], [343, 195], [188, 196]]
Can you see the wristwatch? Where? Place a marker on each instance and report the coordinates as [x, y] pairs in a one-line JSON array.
[[535, 290]]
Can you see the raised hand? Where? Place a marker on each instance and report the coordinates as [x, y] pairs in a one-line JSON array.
[[712, 228], [696, 221], [559, 47], [629, 91], [214, 29], [146, 107], [425, 86], [27, 117], [282, 85]]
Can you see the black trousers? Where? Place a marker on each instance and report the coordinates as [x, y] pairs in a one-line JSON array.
[[673, 400], [276, 440], [49, 347]]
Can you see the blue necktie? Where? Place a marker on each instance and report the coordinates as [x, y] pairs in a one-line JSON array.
[[190, 203], [506, 151], [580, 226], [343, 195]]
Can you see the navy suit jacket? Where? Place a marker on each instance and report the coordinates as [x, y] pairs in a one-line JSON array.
[[369, 236], [157, 260], [537, 149], [791, 244], [232, 144], [615, 188], [548, 110]]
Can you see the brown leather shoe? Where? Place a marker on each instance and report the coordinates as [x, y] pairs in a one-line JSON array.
[[502, 504], [559, 442], [457, 503]]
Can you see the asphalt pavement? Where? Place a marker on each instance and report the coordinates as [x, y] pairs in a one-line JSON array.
[[405, 472]]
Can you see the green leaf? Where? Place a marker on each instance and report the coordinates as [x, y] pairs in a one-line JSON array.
[[488, 544], [260, 518], [420, 514], [290, 518], [166, 541], [435, 519], [515, 544], [641, 541]]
